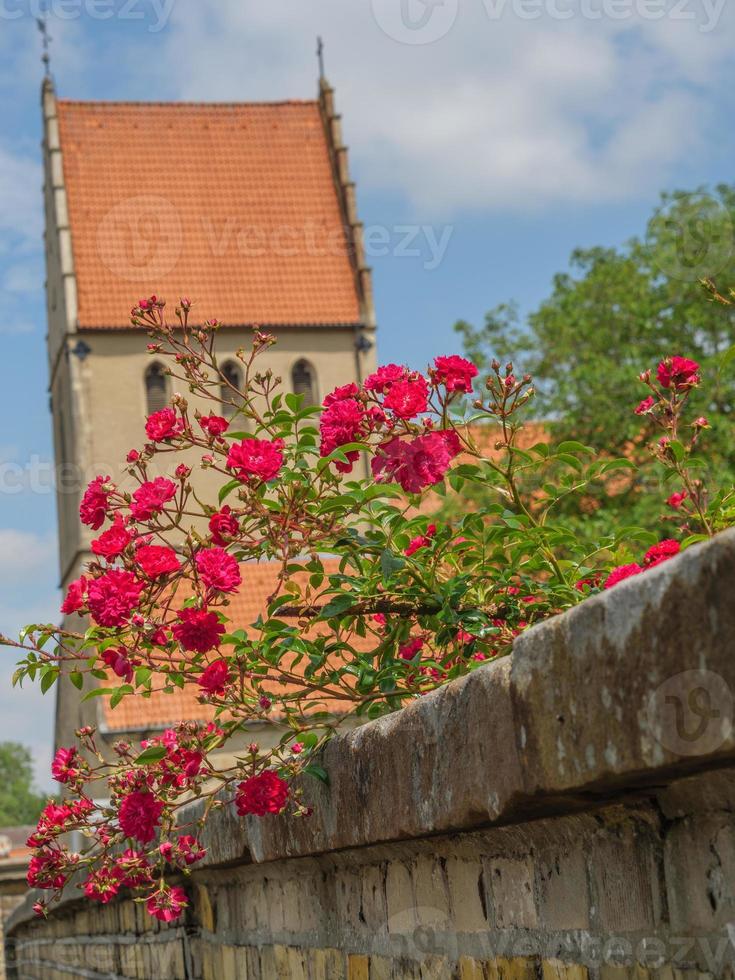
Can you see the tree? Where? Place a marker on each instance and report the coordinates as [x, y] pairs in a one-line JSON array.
[[621, 308], [19, 801]]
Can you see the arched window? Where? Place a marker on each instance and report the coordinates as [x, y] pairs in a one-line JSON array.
[[303, 382], [156, 388], [232, 374]]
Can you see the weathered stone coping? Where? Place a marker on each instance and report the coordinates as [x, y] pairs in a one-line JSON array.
[[618, 693]]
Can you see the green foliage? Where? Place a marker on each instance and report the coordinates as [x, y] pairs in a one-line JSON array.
[[20, 803], [615, 311]]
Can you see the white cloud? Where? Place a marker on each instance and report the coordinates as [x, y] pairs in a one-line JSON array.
[[24, 556], [495, 114]]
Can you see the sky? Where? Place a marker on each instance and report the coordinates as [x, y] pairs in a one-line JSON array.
[[488, 139]]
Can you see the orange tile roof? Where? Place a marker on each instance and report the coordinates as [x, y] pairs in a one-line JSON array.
[[232, 205], [136, 713]]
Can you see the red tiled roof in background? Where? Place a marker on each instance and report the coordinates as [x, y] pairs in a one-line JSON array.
[[13, 847], [232, 205], [135, 713]]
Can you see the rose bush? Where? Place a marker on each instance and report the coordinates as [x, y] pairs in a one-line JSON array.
[[353, 479]]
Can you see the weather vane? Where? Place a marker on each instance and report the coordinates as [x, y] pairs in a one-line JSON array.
[[42, 24], [320, 56]]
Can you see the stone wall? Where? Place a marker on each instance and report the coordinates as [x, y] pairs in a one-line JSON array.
[[567, 813], [13, 889]]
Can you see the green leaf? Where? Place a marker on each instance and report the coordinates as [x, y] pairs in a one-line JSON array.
[[227, 489], [98, 692], [77, 679], [119, 694], [317, 772], [338, 605], [152, 754], [49, 678], [570, 446], [390, 563]]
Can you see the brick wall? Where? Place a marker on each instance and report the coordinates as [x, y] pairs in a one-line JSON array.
[[565, 814]]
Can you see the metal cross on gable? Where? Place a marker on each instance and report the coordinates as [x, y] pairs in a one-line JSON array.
[[320, 56], [46, 39]]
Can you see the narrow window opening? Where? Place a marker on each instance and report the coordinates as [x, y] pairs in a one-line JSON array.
[[303, 382], [156, 388], [230, 400]]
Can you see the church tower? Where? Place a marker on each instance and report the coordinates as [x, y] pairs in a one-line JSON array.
[[246, 208]]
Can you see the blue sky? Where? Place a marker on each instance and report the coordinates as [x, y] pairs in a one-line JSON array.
[[514, 130]]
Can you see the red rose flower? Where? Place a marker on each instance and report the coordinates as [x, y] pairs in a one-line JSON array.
[[139, 815], [65, 765], [256, 458], [215, 678], [45, 870], [75, 596], [679, 373], [340, 394], [223, 526], [676, 500], [112, 597], [645, 406], [198, 630], [455, 373], [261, 794], [167, 904], [103, 884], [661, 552], [421, 541], [384, 377], [117, 660], [341, 423], [218, 570], [214, 425], [409, 650], [113, 541], [93, 508], [134, 869], [620, 574], [417, 463], [151, 497], [157, 560], [163, 425], [186, 851], [408, 398]]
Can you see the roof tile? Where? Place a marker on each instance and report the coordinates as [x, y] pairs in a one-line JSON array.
[[232, 205]]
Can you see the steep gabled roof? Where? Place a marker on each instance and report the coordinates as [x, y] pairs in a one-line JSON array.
[[234, 205]]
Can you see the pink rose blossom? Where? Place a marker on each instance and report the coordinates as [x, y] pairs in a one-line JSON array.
[[218, 570], [259, 459]]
